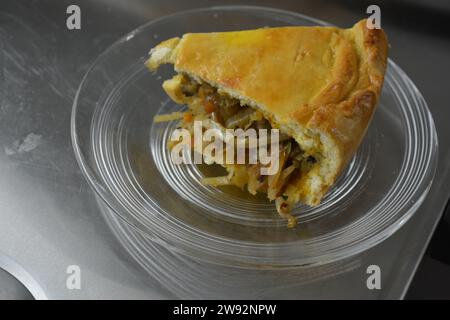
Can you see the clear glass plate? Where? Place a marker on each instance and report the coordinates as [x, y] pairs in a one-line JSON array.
[[125, 159]]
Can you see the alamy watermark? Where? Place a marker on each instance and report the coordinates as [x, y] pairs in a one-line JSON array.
[[374, 20], [373, 282], [73, 281], [229, 146], [73, 21]]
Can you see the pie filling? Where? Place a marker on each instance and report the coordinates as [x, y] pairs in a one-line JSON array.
[[217, 109]]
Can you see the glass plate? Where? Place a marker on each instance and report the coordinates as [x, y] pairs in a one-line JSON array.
[[125, 159]]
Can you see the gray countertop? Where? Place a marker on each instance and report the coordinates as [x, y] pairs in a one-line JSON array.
[[49, 216]]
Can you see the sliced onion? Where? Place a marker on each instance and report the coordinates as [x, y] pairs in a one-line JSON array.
[[216, 181], [241, 119], [168, 117]]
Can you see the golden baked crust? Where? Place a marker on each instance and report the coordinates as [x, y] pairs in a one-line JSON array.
[[320, 85]]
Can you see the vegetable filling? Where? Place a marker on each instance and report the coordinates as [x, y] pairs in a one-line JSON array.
[[224, 112]]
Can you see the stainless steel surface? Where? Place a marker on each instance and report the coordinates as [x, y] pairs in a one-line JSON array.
[[50, 219], [11, 288]]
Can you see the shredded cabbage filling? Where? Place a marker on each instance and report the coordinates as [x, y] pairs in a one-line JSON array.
[[222, 111]]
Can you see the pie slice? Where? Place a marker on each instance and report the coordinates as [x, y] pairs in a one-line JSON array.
[[318, 85]]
